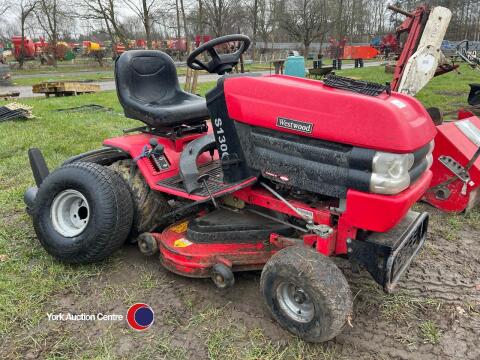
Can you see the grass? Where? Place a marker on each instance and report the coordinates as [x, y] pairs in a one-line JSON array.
[[89, 77], [430, 333], [29, 277], [448, 92], [59, 135], [399, 306]]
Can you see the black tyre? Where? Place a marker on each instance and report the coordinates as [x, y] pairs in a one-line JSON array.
[[148, 205], [222, 276], [82, 213], [306, 293]]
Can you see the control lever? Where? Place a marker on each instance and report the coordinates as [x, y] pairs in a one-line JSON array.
[[157, 149], [203, 180]]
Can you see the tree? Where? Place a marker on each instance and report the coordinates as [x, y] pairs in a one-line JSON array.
[[218, 15], [145, 10], [265, 20], [184, 17], [306, 21], [106, 11], [254, 20], [26, 7], [201, 29], [52, 16], [4, 8]]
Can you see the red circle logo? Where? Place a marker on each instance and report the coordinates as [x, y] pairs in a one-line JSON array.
[[140, 316]]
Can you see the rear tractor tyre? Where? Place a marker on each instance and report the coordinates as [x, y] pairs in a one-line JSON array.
[[82, 213], [306, 293], [148, 205]]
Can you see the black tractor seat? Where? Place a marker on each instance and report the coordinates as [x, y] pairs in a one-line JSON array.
[[148, 89]]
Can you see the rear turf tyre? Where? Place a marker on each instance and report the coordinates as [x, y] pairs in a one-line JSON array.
[[306, 293], [148, 205], [82, 213]]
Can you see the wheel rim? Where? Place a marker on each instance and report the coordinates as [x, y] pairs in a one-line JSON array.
[[295, 302], [70, 213]]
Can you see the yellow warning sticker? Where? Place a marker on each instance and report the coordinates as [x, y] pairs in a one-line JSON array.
[[180, 228], [182, 243]]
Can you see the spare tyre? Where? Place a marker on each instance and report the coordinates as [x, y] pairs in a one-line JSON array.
[[82, 213]]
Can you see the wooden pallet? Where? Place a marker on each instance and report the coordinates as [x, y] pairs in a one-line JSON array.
[[64, 88]]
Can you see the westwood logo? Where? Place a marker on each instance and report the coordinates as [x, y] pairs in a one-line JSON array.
[[140, 316]]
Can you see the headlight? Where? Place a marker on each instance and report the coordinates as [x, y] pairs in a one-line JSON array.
[[390, 172], [430, 154]]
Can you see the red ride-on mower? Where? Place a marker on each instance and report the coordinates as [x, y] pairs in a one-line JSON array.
[[287, 173]]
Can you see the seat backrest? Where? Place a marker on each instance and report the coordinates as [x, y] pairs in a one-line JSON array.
[[145, 76]]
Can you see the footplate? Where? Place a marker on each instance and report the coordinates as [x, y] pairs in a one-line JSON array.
[[215, 183], [387, 255]]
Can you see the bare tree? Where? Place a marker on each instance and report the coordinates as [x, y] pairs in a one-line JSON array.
[[201, 28], [306, 21], [52, 16], [4, 8], [26, 8], [106, 11], [218, 15], [145, 10], [179, 31], [184, 18], [253, 12]]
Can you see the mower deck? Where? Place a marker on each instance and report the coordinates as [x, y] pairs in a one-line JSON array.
[[182, 256]]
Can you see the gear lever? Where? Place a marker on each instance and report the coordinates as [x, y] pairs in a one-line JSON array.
[[157, 149], [203, 180]]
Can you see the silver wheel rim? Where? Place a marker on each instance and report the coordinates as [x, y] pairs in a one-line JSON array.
[[295, 302], [70, 213]]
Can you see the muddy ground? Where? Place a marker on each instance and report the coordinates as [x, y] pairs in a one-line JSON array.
[[435, 314]]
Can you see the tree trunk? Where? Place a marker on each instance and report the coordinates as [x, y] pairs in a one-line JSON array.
[[184, 17], [21, 58], [200, 20], [255, 21], [307, 49], [177, 8], [146, 24]]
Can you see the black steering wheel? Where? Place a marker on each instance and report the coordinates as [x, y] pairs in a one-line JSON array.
[[220, 63]]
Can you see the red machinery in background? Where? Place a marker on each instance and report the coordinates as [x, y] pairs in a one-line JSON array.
[[339, 51], [200, 39], [29, 48], [389, 45], [359, 52], [456, 164]]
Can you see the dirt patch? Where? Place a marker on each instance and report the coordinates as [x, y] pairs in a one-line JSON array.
[[435, 314]]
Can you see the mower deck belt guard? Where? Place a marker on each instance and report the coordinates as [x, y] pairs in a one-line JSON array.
[[225, 225]]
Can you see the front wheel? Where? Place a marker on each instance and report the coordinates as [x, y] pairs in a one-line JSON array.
[[306, 293]]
